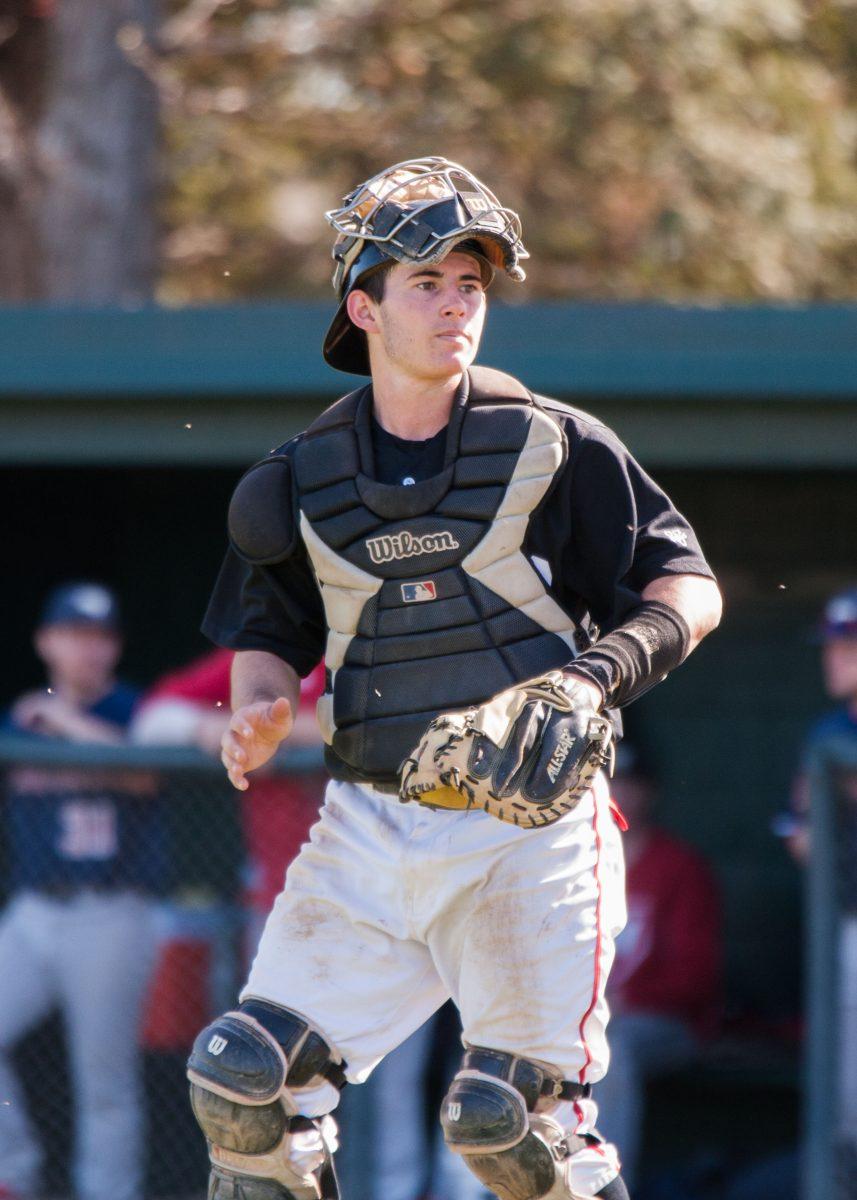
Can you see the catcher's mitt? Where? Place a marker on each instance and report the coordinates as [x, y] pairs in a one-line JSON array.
[[526, 757]]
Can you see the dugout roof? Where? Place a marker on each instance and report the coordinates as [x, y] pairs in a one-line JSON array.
[[685, 386]]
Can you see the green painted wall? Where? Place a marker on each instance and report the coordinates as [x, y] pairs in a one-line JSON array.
[[703, 387]]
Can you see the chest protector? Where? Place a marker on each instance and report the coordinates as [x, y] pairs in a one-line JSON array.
[[430, 602]]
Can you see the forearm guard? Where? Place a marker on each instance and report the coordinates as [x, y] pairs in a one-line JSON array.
[[636, 655]]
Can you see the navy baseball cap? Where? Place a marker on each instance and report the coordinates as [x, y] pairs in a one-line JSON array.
[[81, 604], [839, 619]]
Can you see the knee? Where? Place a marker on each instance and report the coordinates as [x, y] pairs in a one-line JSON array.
[[490, 1116], [244, 1069], [480, 1114], [491, 1097]]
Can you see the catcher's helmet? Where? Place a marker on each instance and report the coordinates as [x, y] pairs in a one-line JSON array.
[[415, 211]]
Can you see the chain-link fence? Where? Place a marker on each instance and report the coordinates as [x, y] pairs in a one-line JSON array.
[[135, 882], [831, 1079]]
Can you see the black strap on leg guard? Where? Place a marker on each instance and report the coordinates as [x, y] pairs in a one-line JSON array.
[[614, 1190], [532, 1080], [306, 1051]]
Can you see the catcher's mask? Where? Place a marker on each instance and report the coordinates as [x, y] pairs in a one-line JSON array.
[[414, 212]]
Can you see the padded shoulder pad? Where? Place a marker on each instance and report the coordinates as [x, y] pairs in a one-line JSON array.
[[488, 384], [262, 526], [341, 412]]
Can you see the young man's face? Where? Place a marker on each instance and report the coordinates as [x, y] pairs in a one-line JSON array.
[[839, 661], [78, 655], [429, 322]]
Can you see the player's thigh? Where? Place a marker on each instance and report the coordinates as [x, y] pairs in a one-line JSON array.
[[336, 949], [537, 942], [27, 972]]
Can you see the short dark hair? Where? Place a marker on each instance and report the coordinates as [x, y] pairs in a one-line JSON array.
[[374, 282]]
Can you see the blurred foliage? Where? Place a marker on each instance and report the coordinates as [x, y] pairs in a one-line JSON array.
[[680, 149]]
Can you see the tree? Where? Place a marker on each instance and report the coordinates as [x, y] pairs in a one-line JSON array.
[[668, 148], [77, 184], [22, 70]]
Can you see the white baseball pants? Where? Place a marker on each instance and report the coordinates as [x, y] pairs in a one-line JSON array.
[[391, 908]]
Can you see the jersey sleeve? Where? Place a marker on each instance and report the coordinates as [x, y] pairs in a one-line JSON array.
[[276, 608], [614, 530]]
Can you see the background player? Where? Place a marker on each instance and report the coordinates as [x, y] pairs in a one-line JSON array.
[[837, 633], [439, 536], [78, 934]]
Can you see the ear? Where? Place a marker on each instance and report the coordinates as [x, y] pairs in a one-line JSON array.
[[361, 310]]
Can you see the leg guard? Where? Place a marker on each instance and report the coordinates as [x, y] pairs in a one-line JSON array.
[[489, 1115], [260, 1147], [615, 1190]]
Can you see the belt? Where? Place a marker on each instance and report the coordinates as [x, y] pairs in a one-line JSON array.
[[389, 789]]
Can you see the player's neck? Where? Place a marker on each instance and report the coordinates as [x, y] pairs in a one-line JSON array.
[[410, 407]]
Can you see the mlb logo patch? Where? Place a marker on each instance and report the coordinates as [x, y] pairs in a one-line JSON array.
[[413, 593]]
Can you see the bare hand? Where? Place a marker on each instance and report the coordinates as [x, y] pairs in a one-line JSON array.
[[253, 736], [38, 712], [48, 714]]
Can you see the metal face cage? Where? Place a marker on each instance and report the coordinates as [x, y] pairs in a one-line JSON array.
[[413, 210]]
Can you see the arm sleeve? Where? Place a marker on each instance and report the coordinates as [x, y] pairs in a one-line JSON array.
[[276, 608], [621, 531]]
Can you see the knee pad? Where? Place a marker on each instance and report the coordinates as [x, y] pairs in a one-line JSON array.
[[242, 1071], [488, 1116]]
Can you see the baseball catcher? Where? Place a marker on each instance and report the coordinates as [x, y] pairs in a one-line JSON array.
[[488, 575]]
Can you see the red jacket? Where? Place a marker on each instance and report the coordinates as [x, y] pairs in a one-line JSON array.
[[277, 811], [669, 957]]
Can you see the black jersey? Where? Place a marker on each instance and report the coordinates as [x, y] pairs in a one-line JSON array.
[[604, 533]]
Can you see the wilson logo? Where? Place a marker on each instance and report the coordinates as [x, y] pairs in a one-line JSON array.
[[453, 1111], [406, 545], [217, 1044], [560, 754]]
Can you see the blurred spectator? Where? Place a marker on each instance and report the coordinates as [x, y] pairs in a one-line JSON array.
[[838, 637], [85, 851], [191, 706], [665, 986], [837, 634], [197, 965]]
